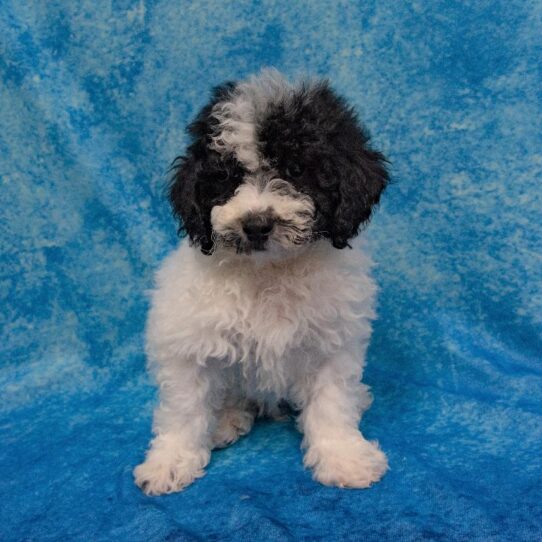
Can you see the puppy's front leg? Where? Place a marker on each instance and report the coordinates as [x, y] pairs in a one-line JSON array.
[[181, 448], [335, 449]]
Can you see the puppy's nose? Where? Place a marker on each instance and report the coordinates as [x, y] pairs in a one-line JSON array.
[[258, 228]]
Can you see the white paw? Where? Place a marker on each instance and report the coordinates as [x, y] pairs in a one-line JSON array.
[[232, 424], [350, 463], [168, 469]]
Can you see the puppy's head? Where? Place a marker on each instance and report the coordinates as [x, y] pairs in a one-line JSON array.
[[274, 166]]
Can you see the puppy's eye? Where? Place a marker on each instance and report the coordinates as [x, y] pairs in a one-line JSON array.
[[295, 170], [228, 174]]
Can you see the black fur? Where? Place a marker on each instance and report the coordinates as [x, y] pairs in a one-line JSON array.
[[203, 178], [315, 142]]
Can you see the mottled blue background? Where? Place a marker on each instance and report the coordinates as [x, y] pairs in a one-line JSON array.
[[94, 98]]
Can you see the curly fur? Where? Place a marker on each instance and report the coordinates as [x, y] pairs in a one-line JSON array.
[[256, 318], [303, 134]]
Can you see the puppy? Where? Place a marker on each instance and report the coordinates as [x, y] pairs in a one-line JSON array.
[[263, 305]]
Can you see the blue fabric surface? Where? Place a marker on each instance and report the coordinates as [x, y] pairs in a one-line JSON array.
[[94, 98]]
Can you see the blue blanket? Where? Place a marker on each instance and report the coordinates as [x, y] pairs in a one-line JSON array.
[[94, 98]]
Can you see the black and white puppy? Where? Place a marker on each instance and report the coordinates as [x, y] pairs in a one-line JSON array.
[[262, 306]]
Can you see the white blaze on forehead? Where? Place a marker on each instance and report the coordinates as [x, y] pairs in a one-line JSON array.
[[238, 117]]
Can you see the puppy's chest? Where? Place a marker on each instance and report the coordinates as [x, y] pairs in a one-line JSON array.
[[278, 307], [277, 311]]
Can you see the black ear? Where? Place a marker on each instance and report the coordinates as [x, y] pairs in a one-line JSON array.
[[358, 171], [193, 174], [362, 179], [346, 176], [185, 201]]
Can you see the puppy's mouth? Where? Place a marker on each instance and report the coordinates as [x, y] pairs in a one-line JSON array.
[[240, 244], [260, 237], [245, 246], [257, 245]]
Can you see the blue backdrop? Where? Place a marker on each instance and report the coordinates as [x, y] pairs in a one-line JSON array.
[[94, 99]]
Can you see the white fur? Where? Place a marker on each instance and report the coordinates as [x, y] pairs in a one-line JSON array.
[[228, 331], [239, 115], [232, 334], [261, 194]]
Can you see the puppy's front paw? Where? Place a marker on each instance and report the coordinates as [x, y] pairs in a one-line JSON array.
[[168, 469], [351, 463]]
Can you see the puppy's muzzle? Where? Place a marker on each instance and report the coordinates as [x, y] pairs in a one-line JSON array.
[[257, 229]]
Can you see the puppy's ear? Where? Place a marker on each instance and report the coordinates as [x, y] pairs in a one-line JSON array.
[[352, 174], [362, 178], [187, 194], [185, 200]]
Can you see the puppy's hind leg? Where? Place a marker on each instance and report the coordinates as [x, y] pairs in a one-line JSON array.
[[232, 423]]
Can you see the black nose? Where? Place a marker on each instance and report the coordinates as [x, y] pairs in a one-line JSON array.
[[257, 228]]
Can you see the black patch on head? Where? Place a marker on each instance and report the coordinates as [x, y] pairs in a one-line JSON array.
[[316, 143], [202, 178]]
